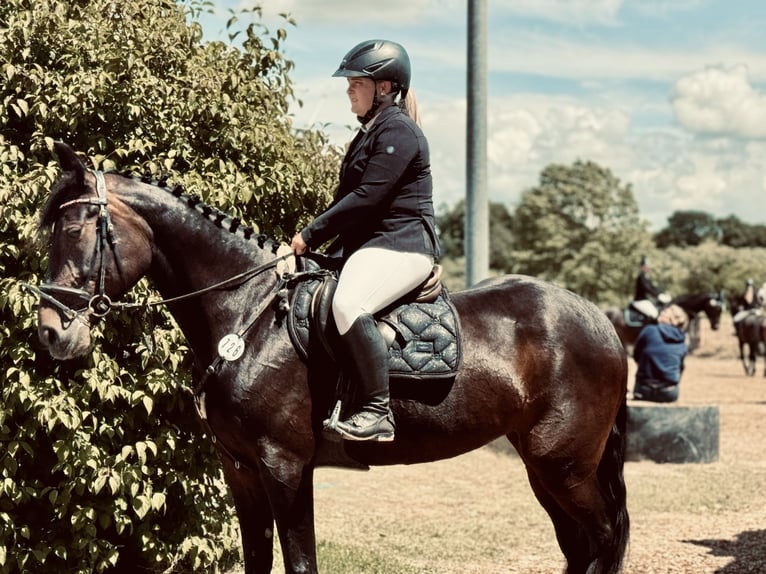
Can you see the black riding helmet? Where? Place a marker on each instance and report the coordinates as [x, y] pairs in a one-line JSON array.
[[378, 60]]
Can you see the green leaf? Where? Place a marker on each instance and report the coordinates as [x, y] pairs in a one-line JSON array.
[[141, 506]]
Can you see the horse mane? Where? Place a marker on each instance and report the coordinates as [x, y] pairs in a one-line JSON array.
[[66, 189]]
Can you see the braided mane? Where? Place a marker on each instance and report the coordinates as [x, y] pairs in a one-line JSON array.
[[216, 216], [67, 188]]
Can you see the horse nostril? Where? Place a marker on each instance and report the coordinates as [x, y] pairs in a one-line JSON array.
[[48, 336]]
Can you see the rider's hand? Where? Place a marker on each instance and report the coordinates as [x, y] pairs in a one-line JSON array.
[[298, 245]]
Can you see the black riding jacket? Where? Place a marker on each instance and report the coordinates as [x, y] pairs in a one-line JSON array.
[[645, 289], [384, 198]]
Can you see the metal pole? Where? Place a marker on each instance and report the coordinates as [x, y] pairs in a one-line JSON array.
[[477, 204]]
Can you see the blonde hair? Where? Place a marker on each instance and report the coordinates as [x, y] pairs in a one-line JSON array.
[[409, 104], [674, 315]]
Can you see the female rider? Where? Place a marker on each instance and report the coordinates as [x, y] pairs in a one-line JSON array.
[[383, 218]]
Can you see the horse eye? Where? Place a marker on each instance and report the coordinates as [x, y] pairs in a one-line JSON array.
[[74, 230]]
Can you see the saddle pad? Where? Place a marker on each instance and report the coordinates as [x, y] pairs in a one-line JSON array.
[[427, 342], [634, 318]]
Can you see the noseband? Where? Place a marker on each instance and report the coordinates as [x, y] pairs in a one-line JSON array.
[[98, 303]]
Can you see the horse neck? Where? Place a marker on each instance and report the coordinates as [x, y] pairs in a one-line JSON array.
[[193, 247], [692, 304]]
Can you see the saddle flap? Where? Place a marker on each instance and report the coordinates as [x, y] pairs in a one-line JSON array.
[[322, 322]]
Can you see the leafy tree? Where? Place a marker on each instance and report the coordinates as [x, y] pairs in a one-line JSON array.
[[103, 465], [580, 227], [451, 225], [688, 228], [736, 233]]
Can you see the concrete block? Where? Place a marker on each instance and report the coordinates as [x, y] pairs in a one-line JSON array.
[[672, 433]]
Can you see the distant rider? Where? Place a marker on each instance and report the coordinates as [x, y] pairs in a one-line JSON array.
[[745, 304], [646, 292]]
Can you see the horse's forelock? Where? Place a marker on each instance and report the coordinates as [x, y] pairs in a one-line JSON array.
[[68, 187]]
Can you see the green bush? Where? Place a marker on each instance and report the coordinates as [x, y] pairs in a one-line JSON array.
[[103, 465]]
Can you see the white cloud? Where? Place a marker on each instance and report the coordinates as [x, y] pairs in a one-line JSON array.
[[336, 11], [567, 11], [541, 53], [700, 189], [720, 100]]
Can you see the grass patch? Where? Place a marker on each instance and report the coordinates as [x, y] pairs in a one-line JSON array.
[[351, 559]]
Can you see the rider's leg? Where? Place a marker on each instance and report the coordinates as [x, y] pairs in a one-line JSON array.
[[646, 307], [372, 279]]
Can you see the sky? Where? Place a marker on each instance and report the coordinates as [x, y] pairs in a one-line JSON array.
[[670, 95]]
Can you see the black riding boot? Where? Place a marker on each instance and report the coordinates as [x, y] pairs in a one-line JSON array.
[[369, 358]]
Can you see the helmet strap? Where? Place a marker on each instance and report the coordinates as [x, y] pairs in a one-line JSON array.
[[376, 103], [371, 112]]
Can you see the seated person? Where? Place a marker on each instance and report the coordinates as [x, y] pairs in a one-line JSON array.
[[660, 351]]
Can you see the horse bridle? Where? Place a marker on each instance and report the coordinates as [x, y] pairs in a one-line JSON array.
[[97, 303]]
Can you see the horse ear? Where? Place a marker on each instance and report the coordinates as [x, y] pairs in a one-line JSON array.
[[68, 158]]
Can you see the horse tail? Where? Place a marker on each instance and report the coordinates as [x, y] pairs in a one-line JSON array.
[[612, 481]]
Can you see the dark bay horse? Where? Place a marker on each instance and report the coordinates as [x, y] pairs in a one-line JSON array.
[[709, 303], [751, 333], [541, 366]]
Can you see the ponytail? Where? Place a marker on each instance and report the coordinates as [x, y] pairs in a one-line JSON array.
[[409, 104]]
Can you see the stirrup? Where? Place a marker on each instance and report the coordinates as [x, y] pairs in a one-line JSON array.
[[354, 428]]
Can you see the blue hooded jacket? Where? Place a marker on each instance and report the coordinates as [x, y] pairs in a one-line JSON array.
[[660, 351]]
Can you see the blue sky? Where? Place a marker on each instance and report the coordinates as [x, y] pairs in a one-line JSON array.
[[668, 94]]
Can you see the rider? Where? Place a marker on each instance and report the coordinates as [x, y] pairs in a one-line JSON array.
[[646, 292], [746, 303], [383, 217]]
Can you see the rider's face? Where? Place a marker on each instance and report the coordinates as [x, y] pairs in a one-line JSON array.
[[361, 92]]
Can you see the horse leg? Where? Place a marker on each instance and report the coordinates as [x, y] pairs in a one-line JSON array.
[[270, 494], [583, 495], [289, 485], [571, 537], [746, 359], [256, 522]]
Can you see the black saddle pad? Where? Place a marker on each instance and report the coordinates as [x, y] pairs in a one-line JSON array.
[[635, 318], [427, 335]]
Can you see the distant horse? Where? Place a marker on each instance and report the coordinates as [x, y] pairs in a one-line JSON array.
[[628, 325], [751, 332], [541, 366]]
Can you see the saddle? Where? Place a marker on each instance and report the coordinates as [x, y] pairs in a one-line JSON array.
[[422, 330]]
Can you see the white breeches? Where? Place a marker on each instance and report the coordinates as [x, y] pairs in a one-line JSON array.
[[373, 278]]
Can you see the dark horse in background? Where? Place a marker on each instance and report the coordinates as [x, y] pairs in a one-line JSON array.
[[751, 333], [541, 366], [628, 324]]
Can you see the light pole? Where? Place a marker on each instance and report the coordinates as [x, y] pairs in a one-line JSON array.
[[477, 204]]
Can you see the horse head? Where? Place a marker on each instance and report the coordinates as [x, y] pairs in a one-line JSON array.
[[90, 228], [713, 309]]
